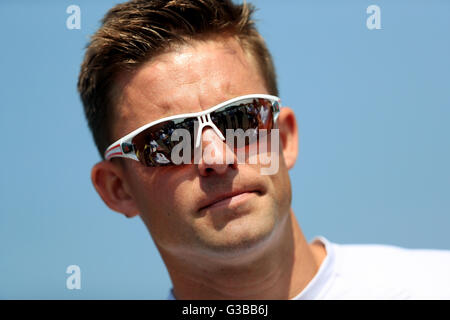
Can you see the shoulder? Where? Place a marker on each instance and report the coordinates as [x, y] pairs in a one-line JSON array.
[[377, 271]]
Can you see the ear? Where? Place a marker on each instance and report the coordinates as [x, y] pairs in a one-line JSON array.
[[109, 180], [288, 135]]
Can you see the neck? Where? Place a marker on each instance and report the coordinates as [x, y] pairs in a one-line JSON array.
[[281, 271]]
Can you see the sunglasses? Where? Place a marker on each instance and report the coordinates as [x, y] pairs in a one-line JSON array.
[[152, 145]]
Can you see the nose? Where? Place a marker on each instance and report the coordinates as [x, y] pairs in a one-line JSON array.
[[217, 157]]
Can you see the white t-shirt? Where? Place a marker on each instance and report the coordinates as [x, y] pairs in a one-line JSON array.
[[361, 271]]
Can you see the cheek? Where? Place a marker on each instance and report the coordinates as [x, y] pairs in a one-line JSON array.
[[281, 185], [158, 189], [161, 198]]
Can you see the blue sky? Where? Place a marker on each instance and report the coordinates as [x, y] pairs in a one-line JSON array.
[[373, 108]]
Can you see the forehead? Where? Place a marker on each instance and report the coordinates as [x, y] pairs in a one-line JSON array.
[[189, 78]]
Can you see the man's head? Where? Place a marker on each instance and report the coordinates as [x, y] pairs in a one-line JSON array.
[[152, 59], [134, 32]]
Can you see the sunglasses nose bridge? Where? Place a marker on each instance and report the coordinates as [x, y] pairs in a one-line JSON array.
[[205, 121]]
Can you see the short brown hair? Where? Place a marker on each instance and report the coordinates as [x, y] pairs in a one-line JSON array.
[[133, 32]]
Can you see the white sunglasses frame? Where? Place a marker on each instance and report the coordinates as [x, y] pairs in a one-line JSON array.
[[121, 148]]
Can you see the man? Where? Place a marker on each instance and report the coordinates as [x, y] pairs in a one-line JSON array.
[[224, 229]]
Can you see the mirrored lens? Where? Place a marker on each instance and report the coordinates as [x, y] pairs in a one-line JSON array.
[[248, 114], [154, 145]]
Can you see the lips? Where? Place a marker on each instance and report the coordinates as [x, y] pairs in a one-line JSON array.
[[217, 200]]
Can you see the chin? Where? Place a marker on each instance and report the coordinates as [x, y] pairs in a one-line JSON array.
[[239, 237]]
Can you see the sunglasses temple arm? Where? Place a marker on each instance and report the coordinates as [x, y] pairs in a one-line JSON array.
[[114, 150]]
